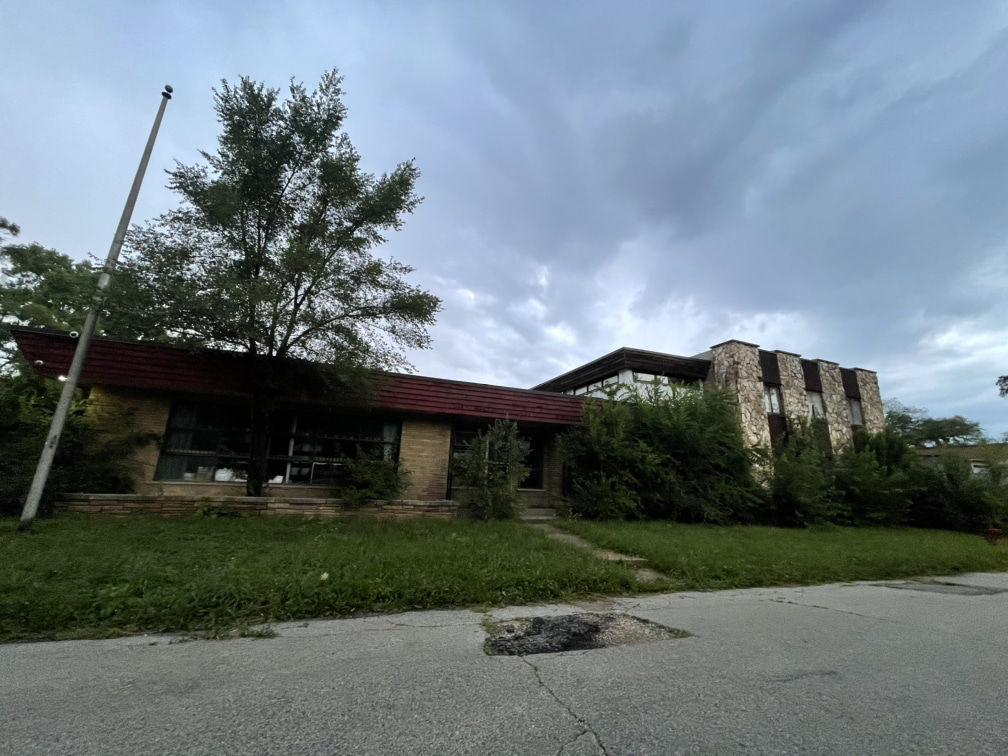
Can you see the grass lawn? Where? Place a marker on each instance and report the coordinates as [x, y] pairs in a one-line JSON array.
[[705, 557], [97, 577]]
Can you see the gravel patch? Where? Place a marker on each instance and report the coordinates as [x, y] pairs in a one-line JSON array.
[[573, 632]]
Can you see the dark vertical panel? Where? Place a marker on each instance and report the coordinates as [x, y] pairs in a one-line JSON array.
[[778, 429], [769, 367], [850, 384], [813, 380]]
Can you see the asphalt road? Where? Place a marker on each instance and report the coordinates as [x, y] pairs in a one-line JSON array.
[[843, 669]]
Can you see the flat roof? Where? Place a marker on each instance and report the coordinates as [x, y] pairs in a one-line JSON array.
[[640, 360], [172, 369]]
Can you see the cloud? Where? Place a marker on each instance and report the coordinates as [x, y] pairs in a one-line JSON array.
[[825, 177]]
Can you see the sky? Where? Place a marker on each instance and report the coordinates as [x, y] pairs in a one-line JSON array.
[[827, 177]]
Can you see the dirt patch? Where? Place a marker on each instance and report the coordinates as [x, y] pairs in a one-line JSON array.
[[573, 632]]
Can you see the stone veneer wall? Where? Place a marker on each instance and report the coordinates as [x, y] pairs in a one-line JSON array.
[[425, 451], [871, 400], [793, 385], [735, 366], [835, 399]]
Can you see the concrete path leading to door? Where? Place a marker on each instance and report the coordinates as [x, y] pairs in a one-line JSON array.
[[865, 668], [644, 574]]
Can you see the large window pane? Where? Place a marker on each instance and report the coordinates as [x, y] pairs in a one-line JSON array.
[[205, 442]]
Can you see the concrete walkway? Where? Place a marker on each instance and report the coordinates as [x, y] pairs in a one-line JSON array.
[[866, 669], [644, 574]]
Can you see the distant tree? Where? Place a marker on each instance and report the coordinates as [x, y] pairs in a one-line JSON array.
[[8, 228], [45, 288], [270, 252], [921, 430], [1002, 384]]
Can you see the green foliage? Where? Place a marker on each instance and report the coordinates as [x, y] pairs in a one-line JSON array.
[[953, 497], [880, 480], [673, 454], [920, 430], [45, 288], [487, 474], [215, 509], [802, 488], [102, 576], [88, 460], [270, 252], [370, 477]]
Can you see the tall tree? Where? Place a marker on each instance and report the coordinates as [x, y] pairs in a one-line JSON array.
[[270, 252], [1002, 384]]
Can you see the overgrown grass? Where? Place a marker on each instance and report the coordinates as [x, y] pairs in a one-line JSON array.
[[98, 577], [704, 557]]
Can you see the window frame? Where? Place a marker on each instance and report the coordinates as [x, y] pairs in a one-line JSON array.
[[283, 456], [772, 392]]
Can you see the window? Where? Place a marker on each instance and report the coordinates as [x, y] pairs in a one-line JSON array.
[[206, 442], [772, 399], [533, 443], [817, 408], [854, 405]]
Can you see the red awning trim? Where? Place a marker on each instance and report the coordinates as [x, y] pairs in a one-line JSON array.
[[159, 367]]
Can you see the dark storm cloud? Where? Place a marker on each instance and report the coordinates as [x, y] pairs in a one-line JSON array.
[[825, 177]]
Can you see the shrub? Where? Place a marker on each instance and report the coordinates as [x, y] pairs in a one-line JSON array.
[[88, 460], [663, 453], [952, 497], [488, 472], [802, 488], [370, 477]]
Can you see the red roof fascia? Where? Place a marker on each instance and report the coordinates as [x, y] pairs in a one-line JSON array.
[[159, 367]]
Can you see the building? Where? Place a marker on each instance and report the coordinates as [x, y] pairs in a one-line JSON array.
[[196, 404], [769, 386]]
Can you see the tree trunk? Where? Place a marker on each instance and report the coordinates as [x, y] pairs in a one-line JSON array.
[[261, 413]]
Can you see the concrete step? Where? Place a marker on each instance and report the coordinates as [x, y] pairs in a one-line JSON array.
[[538, 514]]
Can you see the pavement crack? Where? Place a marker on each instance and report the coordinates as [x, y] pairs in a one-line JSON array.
[[587, 728], [572, 741], [827, 608]]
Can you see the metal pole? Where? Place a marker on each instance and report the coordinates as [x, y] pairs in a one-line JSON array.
[[73, 376]]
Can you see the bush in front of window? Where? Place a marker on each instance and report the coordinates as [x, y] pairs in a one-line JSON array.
[[672, 453], [489, 470], [369, 477]]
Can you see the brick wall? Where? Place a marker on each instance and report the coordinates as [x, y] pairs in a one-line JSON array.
[[122, 410], [425, 451], [127, 504]]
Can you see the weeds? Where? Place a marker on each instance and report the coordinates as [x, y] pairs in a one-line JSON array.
[[99, 577]]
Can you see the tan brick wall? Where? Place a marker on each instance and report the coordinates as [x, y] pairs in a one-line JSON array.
[[425, 451], [123, 410]]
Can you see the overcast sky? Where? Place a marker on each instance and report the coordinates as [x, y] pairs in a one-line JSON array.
[[828, 178]]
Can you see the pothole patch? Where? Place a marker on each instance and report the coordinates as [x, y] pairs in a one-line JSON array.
[[957, 589], [573, 632]]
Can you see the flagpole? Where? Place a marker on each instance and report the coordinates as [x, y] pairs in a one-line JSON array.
[[84, 340]]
